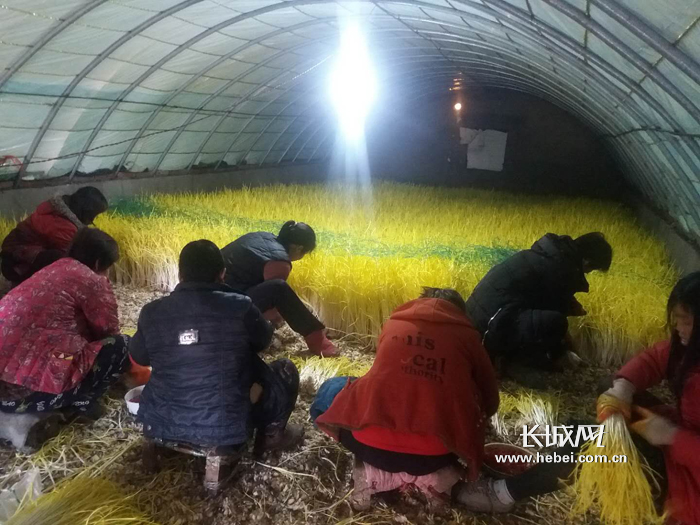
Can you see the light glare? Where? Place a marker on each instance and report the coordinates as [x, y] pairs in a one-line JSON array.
[[458, 106], [353, 84]]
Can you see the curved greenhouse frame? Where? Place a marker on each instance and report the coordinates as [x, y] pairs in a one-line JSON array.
[[107, 86]]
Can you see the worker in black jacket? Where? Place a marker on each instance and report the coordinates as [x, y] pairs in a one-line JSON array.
[[208, 386], [258, 264], [521, 306]]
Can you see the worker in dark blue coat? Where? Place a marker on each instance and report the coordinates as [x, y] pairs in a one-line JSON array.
[[209, 387]]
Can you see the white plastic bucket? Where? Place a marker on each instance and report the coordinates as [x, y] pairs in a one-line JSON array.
[[132, 395]]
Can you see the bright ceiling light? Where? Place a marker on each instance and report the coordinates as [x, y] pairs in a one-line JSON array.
[[458, 106], [353, 84]]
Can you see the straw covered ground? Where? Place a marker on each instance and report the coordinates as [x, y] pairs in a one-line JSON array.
[[372, 256], [309, 485]]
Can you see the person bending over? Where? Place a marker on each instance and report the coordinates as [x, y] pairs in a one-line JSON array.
[[259, 263], [208, 385], [60, 347], [424, 403], [46, 235], [521, 305], [674, 429]]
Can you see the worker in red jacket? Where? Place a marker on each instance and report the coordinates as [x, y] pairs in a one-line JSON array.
[[60, 346], [45, 236], [424, 403], [675, 429]]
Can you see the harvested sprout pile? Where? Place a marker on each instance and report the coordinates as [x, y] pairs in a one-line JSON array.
[[92, 501], [525, 407]]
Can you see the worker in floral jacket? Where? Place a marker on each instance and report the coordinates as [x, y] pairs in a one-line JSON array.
[[46, 235], [60, 346]]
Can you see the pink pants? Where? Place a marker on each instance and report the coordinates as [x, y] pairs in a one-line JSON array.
[[370, 480]]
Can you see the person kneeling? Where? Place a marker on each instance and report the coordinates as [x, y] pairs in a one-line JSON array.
[[424, 403], [521, 305], [208, 386], [258, 264], [60, 347]]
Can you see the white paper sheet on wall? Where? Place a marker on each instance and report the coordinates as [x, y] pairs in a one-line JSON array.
[[486, 148], [466, 135]]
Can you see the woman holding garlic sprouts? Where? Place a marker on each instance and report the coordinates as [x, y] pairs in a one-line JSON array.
[[676, 430], [259, 263]]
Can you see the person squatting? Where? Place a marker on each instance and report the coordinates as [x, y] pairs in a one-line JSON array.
[[417, 418]]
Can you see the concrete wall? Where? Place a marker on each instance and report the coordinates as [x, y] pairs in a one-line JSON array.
[[548, 150], [15, 202], [683, 252]]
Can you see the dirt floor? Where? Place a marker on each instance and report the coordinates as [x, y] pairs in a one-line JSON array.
[[309, 485]]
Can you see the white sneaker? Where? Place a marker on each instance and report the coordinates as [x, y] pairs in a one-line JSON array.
[[360, 498], [28, 432], [480, 496]]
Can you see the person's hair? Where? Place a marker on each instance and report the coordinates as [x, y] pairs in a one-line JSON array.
[[201, 261], [87, 203], [94, 248], [447, 294], [596, 250], [683, 359], [298, 233]]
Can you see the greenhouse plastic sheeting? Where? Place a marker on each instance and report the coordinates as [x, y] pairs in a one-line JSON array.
[[102, 86]]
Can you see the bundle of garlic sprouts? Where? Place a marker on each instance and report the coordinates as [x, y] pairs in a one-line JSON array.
[[621, 490]]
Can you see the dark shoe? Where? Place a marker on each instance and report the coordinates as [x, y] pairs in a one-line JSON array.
[[49, 426], [92, 413], [527, 376], [567, 361], [278, 437]]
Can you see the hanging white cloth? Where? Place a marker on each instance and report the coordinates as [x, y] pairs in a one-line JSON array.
[[486, 148]]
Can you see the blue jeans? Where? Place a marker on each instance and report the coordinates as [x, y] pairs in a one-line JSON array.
[[326, 394], [280, 382]]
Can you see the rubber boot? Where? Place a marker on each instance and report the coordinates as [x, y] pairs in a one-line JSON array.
[[319, 344], [482, 496], [137, 375], [278, 437]]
